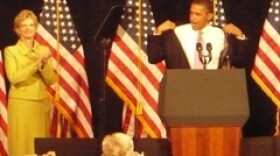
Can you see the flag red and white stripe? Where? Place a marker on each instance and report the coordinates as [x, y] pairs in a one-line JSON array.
[[3, 111], [68, 60], [266, 69], [132, 77]]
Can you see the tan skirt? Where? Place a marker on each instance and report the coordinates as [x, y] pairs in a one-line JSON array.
[[27, 120]]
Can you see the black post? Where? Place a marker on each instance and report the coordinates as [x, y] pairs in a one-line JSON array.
[[104, 36]]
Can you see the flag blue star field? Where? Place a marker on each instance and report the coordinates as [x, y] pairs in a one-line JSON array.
[[266, 69], [219, 18], [71, 94], [129, 73], [130, 21]]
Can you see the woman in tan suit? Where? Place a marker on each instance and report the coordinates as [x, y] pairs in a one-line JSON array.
[[29, 72]]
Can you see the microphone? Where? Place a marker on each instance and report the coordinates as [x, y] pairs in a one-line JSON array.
[[209, 49], [199, 50], [198, 46]]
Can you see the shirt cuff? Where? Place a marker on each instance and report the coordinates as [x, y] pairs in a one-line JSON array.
[[243, 37]]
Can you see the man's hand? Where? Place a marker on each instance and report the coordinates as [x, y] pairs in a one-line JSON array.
[[166, 25], [232, 29]]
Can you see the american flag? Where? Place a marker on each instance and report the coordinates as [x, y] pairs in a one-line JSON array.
[[71, 95], [131, 76], [3, 112], [266, 69]]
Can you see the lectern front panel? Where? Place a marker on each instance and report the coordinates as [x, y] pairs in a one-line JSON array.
[[204, 97]]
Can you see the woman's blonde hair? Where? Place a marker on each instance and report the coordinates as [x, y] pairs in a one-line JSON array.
[[23, 15]]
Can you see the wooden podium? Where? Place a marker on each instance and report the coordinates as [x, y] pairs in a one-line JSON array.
[[204, 110]]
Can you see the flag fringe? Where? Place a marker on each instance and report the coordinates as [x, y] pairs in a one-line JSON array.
[[129, 103], [265, 89], [68, 117], [271, 95]]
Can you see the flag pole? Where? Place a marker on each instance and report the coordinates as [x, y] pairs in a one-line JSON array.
[[57, 87], [139, 104], [214, 19], [277, 123]]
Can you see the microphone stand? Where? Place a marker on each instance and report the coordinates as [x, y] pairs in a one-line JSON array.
[[207, 58], [203, 59], [105, 42], [200, 55], [104, 35], [204, 62]]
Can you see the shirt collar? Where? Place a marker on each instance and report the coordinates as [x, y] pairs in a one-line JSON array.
[[25, 50], [205, 29]]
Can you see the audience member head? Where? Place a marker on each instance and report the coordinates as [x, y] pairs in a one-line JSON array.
[[118, 144]]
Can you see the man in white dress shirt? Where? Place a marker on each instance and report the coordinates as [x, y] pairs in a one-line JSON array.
[[178, 46]]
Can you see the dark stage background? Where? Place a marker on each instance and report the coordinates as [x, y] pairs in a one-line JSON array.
[[88, 16]]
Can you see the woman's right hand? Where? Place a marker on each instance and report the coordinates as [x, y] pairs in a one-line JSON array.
[[39, 61]]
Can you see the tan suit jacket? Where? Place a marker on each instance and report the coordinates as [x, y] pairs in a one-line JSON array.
[[27, 81]]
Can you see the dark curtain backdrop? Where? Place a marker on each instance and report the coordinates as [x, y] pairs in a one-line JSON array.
[[88, 16]]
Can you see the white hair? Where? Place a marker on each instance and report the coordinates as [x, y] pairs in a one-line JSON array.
[[118, 144]]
